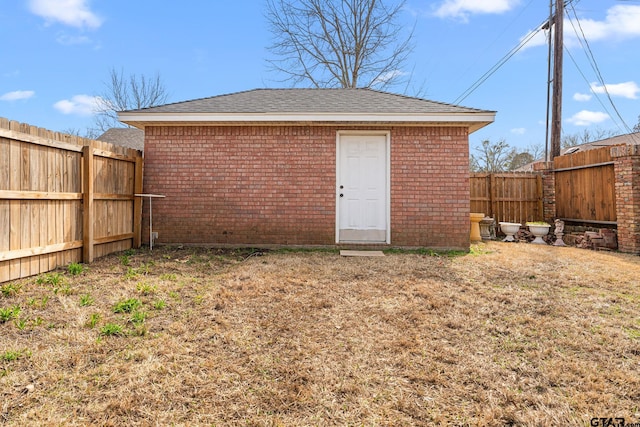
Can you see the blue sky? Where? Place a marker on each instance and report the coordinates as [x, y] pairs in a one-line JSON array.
[[57, 55]]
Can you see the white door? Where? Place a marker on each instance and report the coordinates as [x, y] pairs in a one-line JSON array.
[[362, 188]]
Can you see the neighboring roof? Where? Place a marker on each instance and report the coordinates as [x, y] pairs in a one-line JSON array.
[[125, 137], [626, 139], [309, 105]]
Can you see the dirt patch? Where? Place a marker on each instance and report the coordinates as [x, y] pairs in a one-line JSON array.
[[510, 334]]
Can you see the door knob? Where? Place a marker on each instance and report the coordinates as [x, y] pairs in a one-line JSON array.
[[341, 195]]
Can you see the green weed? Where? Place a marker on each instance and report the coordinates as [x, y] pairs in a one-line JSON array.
[[53, 279], [86, 300], [138, 317], [10, 289], [20, 323], [478, 250], [75, 268], [9, 313], [633, 333], [124, 260], [131, 273], [112, 329], [145, 288], [169, 276], [127, 306], [159, 304], [13, 355], [38, 303], [63, 289], [93, 320], [145, 268]]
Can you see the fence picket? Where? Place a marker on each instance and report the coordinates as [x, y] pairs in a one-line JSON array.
[[510, 197], [585, 186], [46, 219]]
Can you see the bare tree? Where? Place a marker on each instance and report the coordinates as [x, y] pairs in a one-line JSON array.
[[491, 157], [338, 43], [636, 128], [86, 133], [494, 157], [518, 159], [127, 93], [587, 135]]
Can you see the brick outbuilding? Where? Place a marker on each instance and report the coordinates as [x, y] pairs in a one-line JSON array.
[[309, 167]]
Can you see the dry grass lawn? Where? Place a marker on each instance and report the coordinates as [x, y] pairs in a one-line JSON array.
[[510, 334]]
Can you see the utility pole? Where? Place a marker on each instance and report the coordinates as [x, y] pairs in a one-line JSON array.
[[556, 108]]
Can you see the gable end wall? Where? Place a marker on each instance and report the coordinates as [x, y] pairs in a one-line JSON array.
[[275, 185]]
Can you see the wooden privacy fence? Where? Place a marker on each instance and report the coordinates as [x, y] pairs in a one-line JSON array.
[[585, 186], [64, 199], [510, 197]]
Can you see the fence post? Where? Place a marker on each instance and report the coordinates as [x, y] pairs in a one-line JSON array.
[[137, 205], [87, 201], [493, 202], [548, 190], [540, 192]]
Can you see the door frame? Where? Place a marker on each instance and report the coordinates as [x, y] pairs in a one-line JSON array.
[[387, 135]]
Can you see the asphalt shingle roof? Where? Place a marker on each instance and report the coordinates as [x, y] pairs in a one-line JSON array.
[[125, 137], [366, 101]]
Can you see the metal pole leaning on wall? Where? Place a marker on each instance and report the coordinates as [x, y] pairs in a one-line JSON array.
[[151, 197]]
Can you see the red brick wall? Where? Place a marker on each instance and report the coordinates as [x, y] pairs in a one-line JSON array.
[[627, 170], [276, 185], [548, 190], [430, 187]]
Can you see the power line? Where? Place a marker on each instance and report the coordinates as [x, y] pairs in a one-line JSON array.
[[594, 65], [498, 37], [498, 65]]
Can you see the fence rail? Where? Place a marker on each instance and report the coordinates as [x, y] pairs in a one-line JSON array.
[[64, 199], [510, 197]]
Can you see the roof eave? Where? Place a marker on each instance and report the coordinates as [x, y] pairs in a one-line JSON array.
[[474, 120]]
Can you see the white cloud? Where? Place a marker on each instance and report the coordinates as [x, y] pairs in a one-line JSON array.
[[621, 22], [581, 97], [625, 90], [387, 77], [538, 39], [518, 131], [75, 13], [82, 105], [587, 118], [17, 95], [461, 9]]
